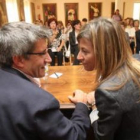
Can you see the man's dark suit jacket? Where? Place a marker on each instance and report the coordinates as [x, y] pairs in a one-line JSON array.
[[138, 41], [119, 112], [27, 112]]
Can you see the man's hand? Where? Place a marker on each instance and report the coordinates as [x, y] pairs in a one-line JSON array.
[[78, 96]]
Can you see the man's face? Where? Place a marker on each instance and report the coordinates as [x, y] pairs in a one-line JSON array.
[[35, 65]]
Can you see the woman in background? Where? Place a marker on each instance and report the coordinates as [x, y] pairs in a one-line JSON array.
[[57, 42], [116, 16], [104, 48], [76, 26]]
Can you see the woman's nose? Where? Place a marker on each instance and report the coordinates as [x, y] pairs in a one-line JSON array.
[[79, 56]]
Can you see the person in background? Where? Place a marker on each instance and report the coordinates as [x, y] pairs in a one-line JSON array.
[[116, 100], [57, 42], [138, 42], [126, 33], [131, 32], [67, 30], [84, 21], [46, 24], [136, 25], [137, 36], [76, 26], [28, 112], [117, 16], [60, 26]]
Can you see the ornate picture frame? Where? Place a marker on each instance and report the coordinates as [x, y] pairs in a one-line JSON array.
[[71, 12], [49, 11], [3, 13], [33, 12], [20, 4], [94, 10], [112, 8]]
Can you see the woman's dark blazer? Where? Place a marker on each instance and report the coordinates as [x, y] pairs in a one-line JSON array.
[[119, 112], [27, 112], [72, 41]]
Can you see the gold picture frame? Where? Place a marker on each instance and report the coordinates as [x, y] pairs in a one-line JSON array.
[[94, 10], [3, 13], [49, 11], [71, 12], [33, 12], [20, 4], [112, 8]]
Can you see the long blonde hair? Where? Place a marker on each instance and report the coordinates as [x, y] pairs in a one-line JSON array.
[[111, 50]]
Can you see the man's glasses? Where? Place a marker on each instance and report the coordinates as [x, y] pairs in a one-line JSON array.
[[39, 53]]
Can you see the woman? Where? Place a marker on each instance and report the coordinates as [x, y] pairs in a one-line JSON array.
[[76, 26], [104, 48], [131, 32], [117, 16], [57, 42]]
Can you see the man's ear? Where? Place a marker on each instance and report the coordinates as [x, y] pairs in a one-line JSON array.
[[18, 61]]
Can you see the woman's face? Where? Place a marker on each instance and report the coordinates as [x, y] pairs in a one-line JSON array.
[[136, 24], [86, 54], [77, 26], [53, 25]]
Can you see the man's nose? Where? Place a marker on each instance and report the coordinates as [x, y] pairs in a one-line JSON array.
[[48, 58]]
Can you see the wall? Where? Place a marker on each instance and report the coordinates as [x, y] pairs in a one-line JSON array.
[[83, 7]]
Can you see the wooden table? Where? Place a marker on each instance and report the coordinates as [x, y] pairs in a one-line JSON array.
[[74, 77]]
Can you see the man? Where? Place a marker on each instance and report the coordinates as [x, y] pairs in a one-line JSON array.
[[138, 42], [27, 112]]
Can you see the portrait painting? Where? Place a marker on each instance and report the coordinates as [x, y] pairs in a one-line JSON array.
[[95, 10], [71, 12], [33, 12], [112, 8], [21, 13], [49, 11], [3, 13]]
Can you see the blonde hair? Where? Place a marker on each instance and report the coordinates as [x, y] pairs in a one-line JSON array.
[[111, 50]]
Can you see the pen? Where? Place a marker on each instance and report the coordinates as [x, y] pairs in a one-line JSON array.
[[56, 75]]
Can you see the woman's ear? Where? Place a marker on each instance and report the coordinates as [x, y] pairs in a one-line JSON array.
[[18, 61]]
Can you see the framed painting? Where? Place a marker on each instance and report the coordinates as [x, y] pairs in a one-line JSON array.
[[33, 12], [49, 11], [3, 13], [95, 10], [112, 8], [71, 12], [21, 13]]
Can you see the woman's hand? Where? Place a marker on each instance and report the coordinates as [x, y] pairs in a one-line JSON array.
[[91, 99], [59, 49], [78, 96]]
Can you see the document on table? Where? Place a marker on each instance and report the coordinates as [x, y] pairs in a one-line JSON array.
[[56, 75]]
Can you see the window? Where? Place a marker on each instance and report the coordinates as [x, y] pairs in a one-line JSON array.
[[136, 12]]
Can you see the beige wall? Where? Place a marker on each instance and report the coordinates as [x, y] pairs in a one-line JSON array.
[[83, 7]]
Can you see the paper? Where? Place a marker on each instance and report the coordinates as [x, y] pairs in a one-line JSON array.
[[94, 115], [55, 75]]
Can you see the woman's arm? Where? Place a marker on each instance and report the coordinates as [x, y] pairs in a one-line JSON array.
[[110, 114]]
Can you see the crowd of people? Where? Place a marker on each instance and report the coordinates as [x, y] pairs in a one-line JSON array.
[[131, 27], [67, 37]]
